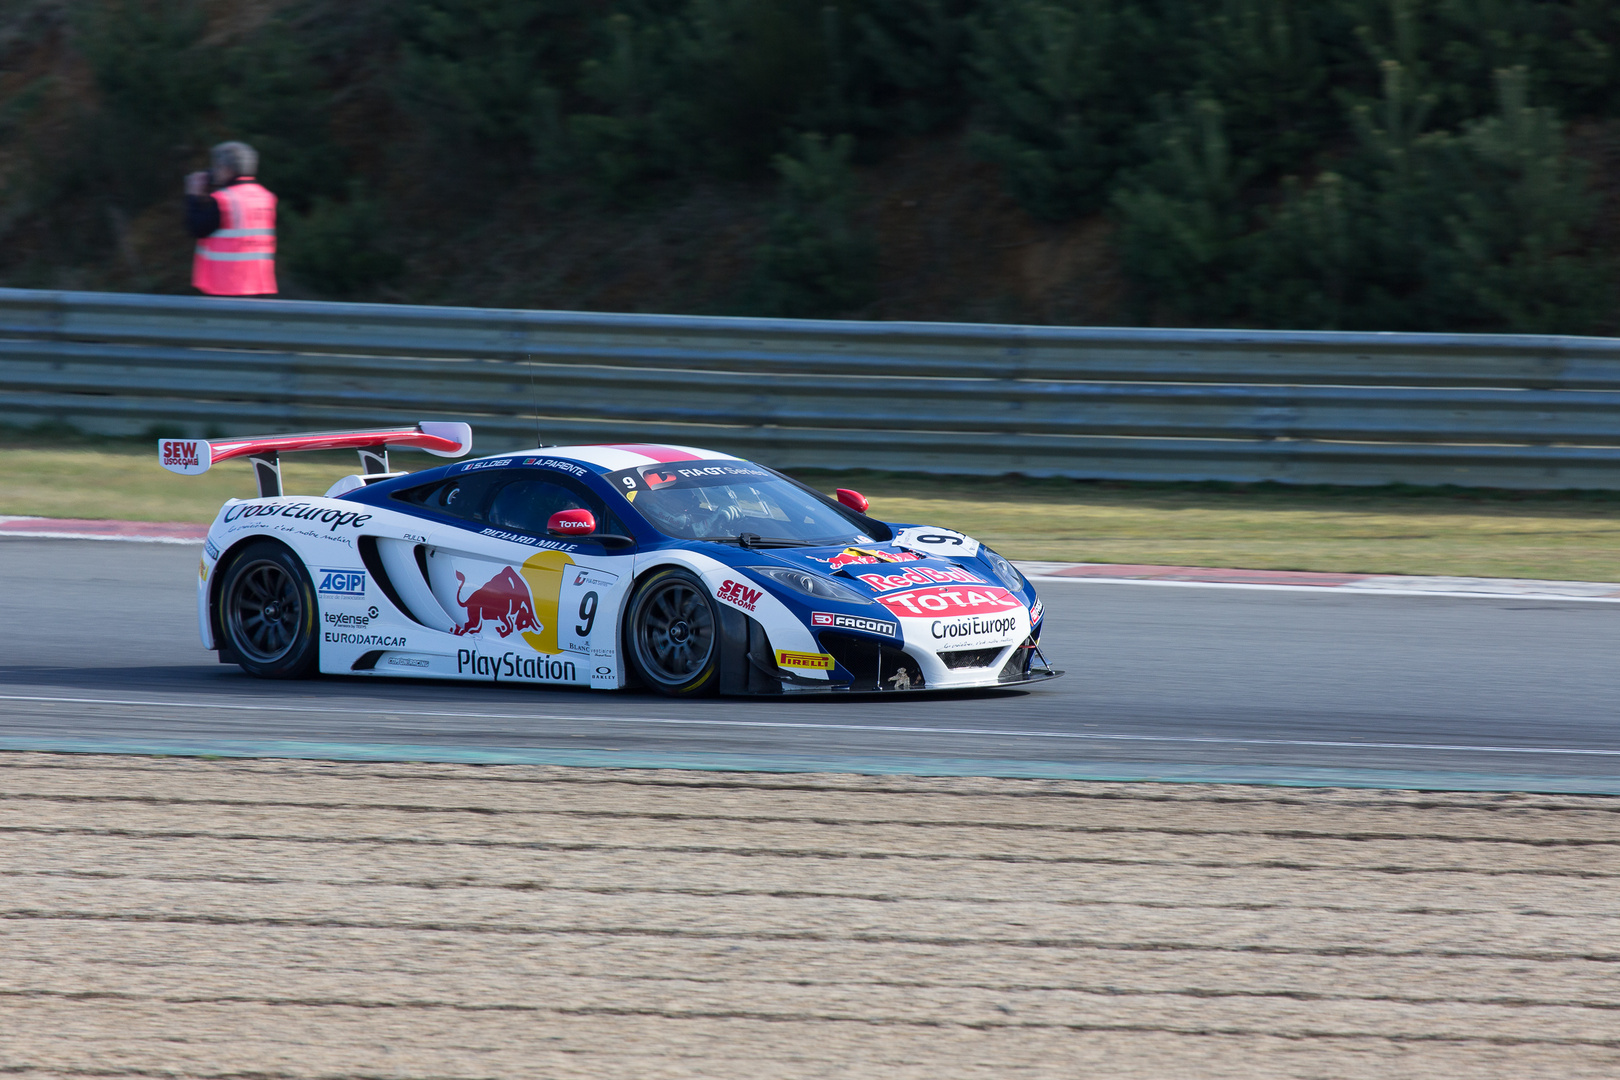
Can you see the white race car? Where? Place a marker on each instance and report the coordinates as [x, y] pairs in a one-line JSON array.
[[683, 570]]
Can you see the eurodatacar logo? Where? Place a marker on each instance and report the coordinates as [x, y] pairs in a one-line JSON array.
[[342, 583]]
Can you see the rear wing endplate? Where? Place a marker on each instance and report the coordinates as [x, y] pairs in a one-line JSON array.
[[192, 456]]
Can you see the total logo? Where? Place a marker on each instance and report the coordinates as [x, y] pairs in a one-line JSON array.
[[920, 575], [943, 601], [739, 595], [342, 583], [854, 622]]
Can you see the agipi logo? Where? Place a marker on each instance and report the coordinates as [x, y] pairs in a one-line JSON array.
[[342, 583]]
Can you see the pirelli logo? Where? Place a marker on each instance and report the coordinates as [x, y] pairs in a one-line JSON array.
[[815, 661]]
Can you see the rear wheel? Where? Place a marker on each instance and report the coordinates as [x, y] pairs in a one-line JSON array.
[[268, 613], [673, 634]]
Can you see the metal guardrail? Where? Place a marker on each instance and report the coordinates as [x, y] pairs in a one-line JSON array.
[[1309, 407]]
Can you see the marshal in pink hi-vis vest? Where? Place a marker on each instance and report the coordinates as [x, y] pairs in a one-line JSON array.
[[238, 258]]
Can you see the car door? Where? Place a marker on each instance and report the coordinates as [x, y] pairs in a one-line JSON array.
[[533, 607]]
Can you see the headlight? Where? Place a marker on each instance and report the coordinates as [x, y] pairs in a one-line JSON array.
[[812, 585], [1006, 571]]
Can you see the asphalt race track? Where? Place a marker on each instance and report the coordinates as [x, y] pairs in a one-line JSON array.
[[99, 651]]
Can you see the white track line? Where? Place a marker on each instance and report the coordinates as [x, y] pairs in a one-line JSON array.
[[1343, 590], [886, 728], [6, 534]]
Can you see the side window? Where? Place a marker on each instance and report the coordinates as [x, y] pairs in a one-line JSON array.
[[521, 500], [526, 504], [464, 496]]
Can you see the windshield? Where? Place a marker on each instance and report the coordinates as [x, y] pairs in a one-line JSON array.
[[728, 500]]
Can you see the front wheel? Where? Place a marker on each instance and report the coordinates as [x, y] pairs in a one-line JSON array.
[[673, 634], [268, 613]]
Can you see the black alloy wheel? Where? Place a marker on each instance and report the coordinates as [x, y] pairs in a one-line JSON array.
[[268, 613], [674, 634]]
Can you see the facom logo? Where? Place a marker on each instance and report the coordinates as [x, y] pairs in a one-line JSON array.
[[854, 622], [342, 583]]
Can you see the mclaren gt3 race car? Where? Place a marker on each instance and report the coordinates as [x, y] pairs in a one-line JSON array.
[[683, 570]]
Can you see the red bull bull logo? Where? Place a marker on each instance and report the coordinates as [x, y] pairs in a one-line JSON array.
[[504, 601], [866, 556]]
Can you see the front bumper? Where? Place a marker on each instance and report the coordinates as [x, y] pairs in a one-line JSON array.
[[867, 665]]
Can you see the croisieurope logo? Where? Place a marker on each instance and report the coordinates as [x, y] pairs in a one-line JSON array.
[[299, 512]]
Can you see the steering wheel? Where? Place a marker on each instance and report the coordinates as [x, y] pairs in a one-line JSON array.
[[720, 521]]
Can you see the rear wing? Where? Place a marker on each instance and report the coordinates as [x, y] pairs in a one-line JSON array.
[[192, 456]]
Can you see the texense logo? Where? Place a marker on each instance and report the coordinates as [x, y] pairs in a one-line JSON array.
[[342, 583]]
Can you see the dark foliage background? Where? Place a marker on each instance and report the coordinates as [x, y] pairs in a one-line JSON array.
[[1363, 164]]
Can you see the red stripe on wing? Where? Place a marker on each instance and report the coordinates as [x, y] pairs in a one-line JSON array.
[[656, 452], [224, 449]]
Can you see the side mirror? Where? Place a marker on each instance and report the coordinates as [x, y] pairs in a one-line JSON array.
[[571, 523], [853, 499]]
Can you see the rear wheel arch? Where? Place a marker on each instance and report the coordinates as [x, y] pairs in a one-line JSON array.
[[216, 580]]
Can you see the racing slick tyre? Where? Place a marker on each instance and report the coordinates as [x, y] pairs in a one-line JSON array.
[[673, 634], [267, 613]]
